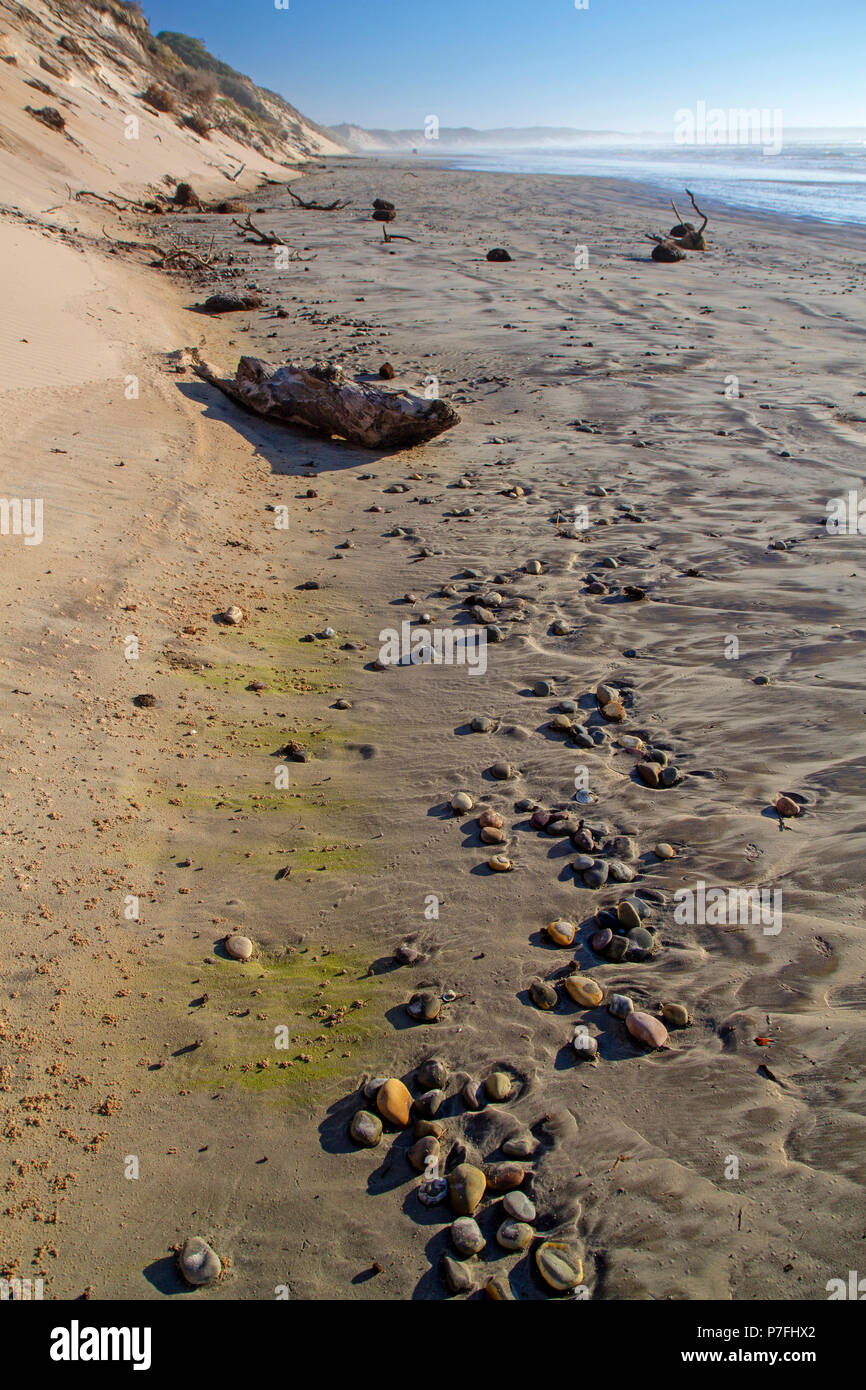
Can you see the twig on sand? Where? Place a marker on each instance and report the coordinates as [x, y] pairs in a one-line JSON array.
[[316, 207], [395, 236]]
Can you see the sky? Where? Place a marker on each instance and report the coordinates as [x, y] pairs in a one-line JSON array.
[[625, 65]]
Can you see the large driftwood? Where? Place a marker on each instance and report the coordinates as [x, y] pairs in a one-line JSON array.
[[322, 398]]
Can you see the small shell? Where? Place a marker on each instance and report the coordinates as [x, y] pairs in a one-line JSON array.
[[432, 1192], [646, 1029], [500, 864], [560, 932]]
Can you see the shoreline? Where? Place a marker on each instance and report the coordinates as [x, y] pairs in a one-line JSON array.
[[640, 363], [622, 187]]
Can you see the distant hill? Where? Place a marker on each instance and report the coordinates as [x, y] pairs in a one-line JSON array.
[[361, 141]]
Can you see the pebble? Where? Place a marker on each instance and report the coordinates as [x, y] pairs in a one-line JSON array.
[[461, 803], [431, 1193], [786, 806], [620, 872], [646, 1029], [532, 567], [604, 694], [543, 994], [499, 1085], [366, 1129], [238, 947], [429, 1103], [233, 615], [515, 1235], [561, 724], [561, 628], [583, 839], [342, 704], [466, 1236], [615, 711], [601, 940], [472, 1095], [568, 706], [585, 1046], [596, 877], [492, 835], [374, 1086], [628, 914], [648, 774], [677, 1015], [494, 633], [198, 1263], [558, 1266], [524, 804], [501, 771], [504, 1177], [538, 820], [669, 776], [432, 1128], [425, 1006], [641, 944], [481, 724], [664, 851], [560, 932], [617, 948], [456, 1276], [542, 688], [584, 990], [500, 864], [519, 1146], [518, 1206], [394, 1102], [422, 1151], [432, 1075], [620, 1006], [406, 954], [466, 1187], [582, 863]]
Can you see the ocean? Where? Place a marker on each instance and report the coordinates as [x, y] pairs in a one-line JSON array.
[[825, 182]]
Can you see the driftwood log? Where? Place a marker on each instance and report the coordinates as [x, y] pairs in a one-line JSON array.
[[323, 399], [682, 237]]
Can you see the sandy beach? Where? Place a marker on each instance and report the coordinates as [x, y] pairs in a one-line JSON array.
[[677, 430]]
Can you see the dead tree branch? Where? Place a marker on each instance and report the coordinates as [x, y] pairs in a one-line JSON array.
[[316, 207]]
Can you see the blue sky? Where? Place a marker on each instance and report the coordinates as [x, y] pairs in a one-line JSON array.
[[618, 65]]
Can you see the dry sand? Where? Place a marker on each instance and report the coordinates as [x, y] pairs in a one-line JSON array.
[[135, 1038]]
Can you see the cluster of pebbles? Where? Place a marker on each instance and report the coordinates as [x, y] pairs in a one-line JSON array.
[[489, 1202]]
